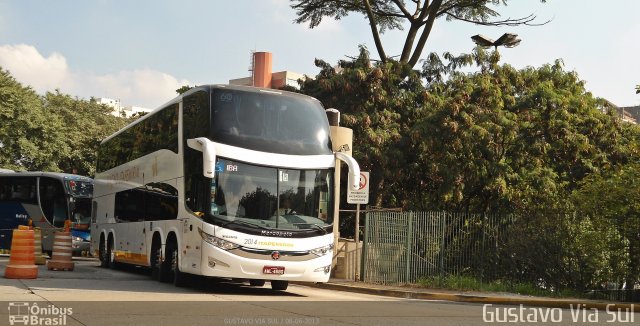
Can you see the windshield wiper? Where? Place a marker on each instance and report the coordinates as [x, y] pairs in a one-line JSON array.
[[314, 225], [241, 222]]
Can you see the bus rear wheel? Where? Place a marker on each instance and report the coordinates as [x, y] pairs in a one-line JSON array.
[[279, 285], [159, 270], [104, 262], [111, 255]]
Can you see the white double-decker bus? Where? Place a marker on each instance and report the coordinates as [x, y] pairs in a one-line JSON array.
[[222, 181]]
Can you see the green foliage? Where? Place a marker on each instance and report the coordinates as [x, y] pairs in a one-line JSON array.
[[467, 283], [80, 142], [183, 89], [610, 201], [28, 137], [379, 104], [499, 140], [505, 140], [54, 132]]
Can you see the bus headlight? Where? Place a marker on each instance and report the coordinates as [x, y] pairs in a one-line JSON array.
[[325, 269], [322, 250], [220, 243]]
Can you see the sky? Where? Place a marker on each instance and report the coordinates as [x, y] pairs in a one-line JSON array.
[[141, 51]]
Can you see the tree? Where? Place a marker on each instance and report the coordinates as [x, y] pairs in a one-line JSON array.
[[28, 137], [80, 142], [379, 105], [418, 16], [505, 140], [54, 132], [611, 199], [183, 89]]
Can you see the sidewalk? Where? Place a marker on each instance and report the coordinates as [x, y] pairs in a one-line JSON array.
[[472, 297]]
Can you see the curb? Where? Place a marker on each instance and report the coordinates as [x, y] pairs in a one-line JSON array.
[[470, 298]]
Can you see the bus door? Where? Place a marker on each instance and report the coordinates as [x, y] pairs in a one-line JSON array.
[[130, 212], [55, 209]]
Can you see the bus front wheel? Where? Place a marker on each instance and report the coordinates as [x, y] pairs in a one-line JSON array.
[[279, 285], [254, 282], [179, 278]]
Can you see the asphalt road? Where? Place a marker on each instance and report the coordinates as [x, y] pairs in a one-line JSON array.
[[91, 295]]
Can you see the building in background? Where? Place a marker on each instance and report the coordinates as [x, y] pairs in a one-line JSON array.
[[262, 75], [119, 110], [630, 113]]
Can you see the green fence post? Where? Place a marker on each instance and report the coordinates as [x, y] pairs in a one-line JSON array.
[[363, 266], [442, 221], [408, 244]]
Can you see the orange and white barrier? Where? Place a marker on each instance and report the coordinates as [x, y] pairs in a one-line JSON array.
[[22, 260], [61, 254], [40, 259]]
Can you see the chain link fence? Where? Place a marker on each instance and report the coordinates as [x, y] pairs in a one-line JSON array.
[[401, 247], [550, 253]]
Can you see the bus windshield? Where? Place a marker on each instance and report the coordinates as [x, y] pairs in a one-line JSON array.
[[81, 214], [271, 198], [78, 188]]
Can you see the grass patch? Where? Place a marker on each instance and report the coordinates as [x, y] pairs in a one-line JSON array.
[[468, 283]]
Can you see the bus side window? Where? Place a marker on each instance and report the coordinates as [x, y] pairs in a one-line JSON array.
[[196, 122]]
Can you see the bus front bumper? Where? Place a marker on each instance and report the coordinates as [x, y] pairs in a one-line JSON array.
[[222, 263]]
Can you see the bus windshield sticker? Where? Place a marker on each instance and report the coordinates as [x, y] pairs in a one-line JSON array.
[[219, 166]]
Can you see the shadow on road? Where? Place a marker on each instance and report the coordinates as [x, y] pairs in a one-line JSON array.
[[88, 275]]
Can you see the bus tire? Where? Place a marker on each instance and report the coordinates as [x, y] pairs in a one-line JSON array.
[[179, 278], [156, 261], [279, 285], [254, 282], [102, 253], [111, 256]]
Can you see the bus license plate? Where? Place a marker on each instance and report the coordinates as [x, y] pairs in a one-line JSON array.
[[273, 270]]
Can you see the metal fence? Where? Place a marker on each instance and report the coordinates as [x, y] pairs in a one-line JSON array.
[[545, 253], [402, 247]]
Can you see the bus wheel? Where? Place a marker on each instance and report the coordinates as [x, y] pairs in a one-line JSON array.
[[256, 282], [111, 256], [279, 285], [104, 261], [156, 261], [179, 278]]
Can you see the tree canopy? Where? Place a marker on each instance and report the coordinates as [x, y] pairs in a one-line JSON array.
[[54, 132], [418, 17], [499, 140]]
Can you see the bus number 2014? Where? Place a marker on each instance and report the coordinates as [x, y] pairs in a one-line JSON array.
[[250, 241]]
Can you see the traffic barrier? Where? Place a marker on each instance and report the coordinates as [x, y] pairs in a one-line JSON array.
[[37, 247], [22, 260], [61, 255]]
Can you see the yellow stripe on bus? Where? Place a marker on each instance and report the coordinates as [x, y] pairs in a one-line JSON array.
[[131, 258]]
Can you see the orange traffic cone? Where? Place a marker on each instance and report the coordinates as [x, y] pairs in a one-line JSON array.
[[22, 261], [61, 255], [37, 247]]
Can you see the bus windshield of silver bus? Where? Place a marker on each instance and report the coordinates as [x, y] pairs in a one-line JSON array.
[[80, 193], [271, 198]]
